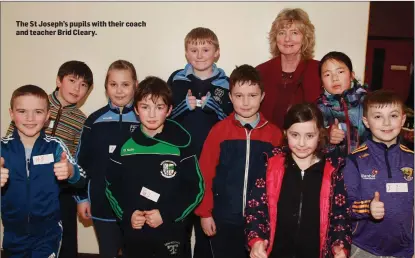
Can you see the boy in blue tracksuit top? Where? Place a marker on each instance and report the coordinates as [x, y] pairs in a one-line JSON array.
[[379, 179], [200, 100], [33, 166]]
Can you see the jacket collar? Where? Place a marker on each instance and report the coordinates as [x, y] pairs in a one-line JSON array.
[[276, 63], [381, 147], [53, 99], [173, 134], [262, 121], [16, 135], [127, 108], [352, 96]]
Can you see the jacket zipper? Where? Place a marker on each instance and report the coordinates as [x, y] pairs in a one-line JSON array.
[[387, 164], [301, 203], [58, 117], [346, 114], [28, 189], [120, 120], [248, 149]]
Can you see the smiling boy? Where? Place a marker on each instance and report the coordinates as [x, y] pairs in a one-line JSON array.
[[379, 179], [200, 100], [33, 165], [73, 81], [232, 149], [153, 180]]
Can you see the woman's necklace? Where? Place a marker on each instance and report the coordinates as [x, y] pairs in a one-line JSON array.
[[287, 78]]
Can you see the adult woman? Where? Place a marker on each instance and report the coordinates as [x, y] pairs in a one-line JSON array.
[[291, 76]]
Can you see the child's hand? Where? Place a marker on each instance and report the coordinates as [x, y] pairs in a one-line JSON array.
[[377, 208], [138, 219], [84, 210], [63, 169], [208, 226], [259, 250], [4, 172], [336, 134], [191, 99], [338, 251], [153, 218]]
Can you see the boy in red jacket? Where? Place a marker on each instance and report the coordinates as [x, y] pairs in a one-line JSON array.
[[232, 148]]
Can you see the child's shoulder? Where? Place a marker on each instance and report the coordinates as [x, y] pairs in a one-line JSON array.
[[406, 150], [6, 140], [97, 114], [177, 72], [271, 127], [78, 115], [224, 125]]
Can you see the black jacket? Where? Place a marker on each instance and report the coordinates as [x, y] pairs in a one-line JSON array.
[[164, 164]]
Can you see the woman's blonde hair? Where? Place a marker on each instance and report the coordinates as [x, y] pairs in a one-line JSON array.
[[286, 18]]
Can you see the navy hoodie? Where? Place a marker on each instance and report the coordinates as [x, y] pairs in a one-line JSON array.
[[216, 107]]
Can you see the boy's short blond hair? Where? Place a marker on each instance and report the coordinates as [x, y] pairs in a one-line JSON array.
[[201, 35]]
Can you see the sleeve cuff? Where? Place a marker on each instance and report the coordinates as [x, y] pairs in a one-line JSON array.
[[203, 212], [75, 177], [253, 241], [79, 201], [206, 100], [346, 252]]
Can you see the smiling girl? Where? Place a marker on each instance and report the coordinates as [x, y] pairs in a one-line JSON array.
[[298, 209], [102, 131]]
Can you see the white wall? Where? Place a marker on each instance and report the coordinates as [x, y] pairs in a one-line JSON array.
[[158, 49]]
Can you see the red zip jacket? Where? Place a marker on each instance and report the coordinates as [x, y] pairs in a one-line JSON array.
[[261, 212], [230, 155]]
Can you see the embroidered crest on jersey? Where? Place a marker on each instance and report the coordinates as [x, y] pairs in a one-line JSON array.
[[168, 169], [218, 94], [172, 246], [408, 173]]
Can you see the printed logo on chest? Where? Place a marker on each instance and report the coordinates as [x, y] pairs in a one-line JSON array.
[[371, 176]]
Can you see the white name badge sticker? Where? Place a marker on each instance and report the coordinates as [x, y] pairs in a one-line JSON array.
[[43, 159], [396, 188], [51, 124], [112, 148], [151, 195], [198, 103]]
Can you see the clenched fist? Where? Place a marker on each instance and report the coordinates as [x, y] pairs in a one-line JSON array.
[[63, 169]]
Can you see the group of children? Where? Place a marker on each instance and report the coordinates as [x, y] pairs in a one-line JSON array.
[[160, 152]]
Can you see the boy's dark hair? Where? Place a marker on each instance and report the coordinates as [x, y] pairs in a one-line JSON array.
[[245, 74], [339, 57], [30, 90], [304, 112], [78, 69], [122, 65], [155, 87], [380, 99]]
